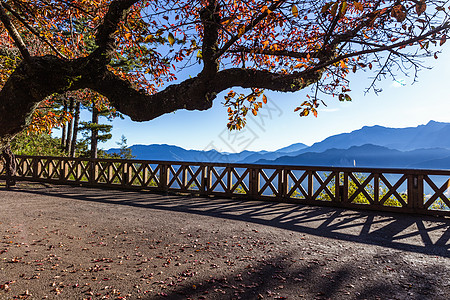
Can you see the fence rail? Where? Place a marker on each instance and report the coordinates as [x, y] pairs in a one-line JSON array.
[[401, 190]]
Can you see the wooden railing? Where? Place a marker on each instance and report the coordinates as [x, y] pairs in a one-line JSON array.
[[401, 190]]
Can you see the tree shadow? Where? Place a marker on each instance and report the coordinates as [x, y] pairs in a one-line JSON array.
[[413, 233], [279, 278]]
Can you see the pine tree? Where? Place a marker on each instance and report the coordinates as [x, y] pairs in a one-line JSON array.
[[124, 151], [76, 124], [69, 126], [94, 132]]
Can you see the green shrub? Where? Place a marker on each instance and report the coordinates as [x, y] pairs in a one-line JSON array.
[[36, 144]]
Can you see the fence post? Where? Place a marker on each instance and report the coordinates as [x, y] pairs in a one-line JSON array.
[[63, 170], [337, 188], [206, 180], [110, 172], [344, 194], [254, 183], [92, 171], [164, 177], [36, 168], [282, 184], [229, 181], [125, 175], [376, 188], [145, 175], [184, 179], [79, 171], [310, 185], [415, 192]]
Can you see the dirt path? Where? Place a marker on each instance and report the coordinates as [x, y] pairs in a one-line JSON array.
[[59, 242]]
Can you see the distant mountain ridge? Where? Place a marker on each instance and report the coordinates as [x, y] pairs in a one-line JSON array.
[[409, 138], [371, 156], [424, 146], [174, 153]]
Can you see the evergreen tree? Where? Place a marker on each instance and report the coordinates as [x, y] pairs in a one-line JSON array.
[[67, 106], [94, 132], [69, 127], [124, 151], [76, 124], [64, 127]]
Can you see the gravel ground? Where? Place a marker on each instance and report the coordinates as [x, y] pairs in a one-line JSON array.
[[62, 242]]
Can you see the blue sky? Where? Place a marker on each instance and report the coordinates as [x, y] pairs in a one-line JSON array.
[[279, 126]]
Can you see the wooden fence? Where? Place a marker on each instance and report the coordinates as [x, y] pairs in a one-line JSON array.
[[400, 190]]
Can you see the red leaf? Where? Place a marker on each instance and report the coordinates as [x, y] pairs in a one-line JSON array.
[[421, 6], [399, 13]]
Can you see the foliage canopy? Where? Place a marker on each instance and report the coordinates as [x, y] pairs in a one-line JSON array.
[[130, 50]]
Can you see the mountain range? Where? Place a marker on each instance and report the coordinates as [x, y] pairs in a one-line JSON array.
[[174, 153], [424, 146]]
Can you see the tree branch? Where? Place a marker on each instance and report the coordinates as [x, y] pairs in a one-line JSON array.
[[192, 94], [445, 26], [255, 20], [13, 33], [105, 32], [32, 30], [285, 53], [209, 16]]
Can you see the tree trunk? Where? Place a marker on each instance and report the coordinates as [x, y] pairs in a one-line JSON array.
[[76, 123], [63, 135], [10, 166], [94, 135], [69, 127]]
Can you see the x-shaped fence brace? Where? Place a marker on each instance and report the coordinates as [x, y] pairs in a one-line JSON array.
[[324, 185], [268, 181], [361, 187], [218, 180], [135, 174], [297, 184], [77, 169], [24, 166], [393, 190], [240, 181], [439, 192], [193, 180]]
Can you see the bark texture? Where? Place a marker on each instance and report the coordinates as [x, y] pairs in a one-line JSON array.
[[69, 127], [76, 123], [94, 133], [10, 166], [64, 127]]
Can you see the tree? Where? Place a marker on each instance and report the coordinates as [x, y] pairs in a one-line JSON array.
[[76, 124], [70, 129], [95, 132], [36, 144], [276, 45], [124, 151], [64, 127], [70, 109]]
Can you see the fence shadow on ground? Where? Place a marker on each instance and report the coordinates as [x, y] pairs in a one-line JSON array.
[[414, 233], [265, 284]]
